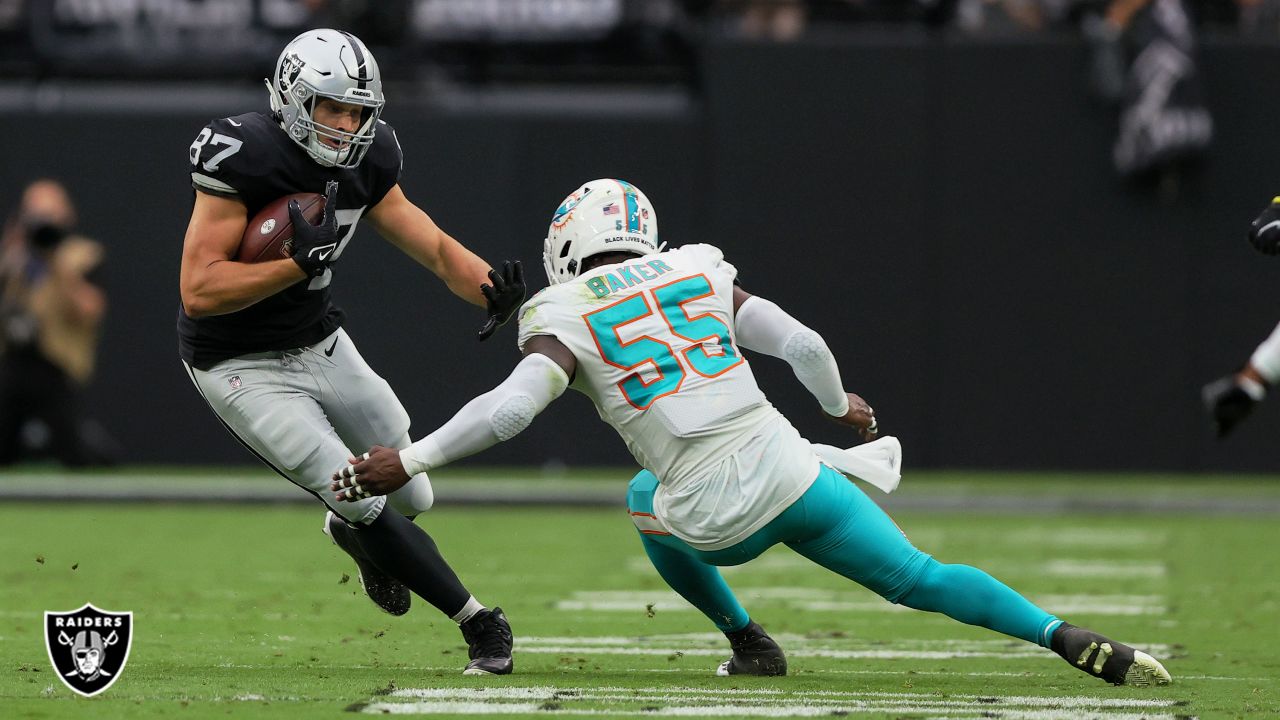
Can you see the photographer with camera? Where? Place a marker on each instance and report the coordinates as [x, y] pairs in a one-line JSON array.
[[51, 310]]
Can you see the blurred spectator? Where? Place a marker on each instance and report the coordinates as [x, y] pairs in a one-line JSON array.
[[1145, 57], [997, 16], [51, 308], [786, 20], [779, 20], [1260, 17]]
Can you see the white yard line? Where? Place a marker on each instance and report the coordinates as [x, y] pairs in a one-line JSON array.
[[844, 601], [705, 671], [1019, 653], [1091, 537], [1112, 569], [681, 694], [797, 646], [764, 702], [712, 644], [547, 709], [622, 605], [786, 639], [1063, 605]]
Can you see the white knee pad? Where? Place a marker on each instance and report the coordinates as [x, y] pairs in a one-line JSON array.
[[415, 497]]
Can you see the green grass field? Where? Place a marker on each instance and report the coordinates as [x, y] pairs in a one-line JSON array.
[[248, 611]]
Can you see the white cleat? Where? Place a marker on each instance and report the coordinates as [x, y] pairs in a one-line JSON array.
[[1146, 670]]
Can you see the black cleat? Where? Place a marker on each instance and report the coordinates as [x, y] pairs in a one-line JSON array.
[[389, 594], [488, 636], [754, 653], [1114, 662]]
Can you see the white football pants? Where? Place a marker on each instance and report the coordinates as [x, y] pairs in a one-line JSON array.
[[305, 411]]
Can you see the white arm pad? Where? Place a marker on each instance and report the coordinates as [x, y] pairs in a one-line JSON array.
[[766, 328], [493, 417], [1267, 357]]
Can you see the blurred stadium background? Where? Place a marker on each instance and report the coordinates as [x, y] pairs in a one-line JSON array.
[[1019, 224], [1026, 248]]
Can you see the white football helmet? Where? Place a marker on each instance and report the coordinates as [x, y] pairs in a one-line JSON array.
[[326, 64], [602, 216]]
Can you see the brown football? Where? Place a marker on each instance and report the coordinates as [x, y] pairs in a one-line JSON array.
[[269, 235]]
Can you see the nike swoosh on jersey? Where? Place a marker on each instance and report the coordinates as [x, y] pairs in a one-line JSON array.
[[329, 352], [233, 122]]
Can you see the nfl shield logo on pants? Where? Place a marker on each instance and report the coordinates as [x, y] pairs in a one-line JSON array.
[[88, 647]]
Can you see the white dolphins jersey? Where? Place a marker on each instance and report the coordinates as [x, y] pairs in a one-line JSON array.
[[655, 345]]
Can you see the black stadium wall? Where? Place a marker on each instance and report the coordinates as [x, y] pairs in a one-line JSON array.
[[943, 212]]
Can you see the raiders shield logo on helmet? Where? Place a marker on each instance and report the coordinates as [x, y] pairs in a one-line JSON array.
[[88, 647]]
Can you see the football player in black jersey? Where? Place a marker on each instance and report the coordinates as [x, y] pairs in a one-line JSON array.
[[264, 343]]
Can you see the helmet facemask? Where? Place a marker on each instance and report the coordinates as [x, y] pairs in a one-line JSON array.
[[327, 64]]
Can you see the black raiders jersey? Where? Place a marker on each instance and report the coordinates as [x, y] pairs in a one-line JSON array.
[[249, 157]]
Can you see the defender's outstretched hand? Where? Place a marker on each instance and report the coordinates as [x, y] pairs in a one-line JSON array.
[[504, 296], [1264, 231], [861, 417], [1230, 399], [377, 472]]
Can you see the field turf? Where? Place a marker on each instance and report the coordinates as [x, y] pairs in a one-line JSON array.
[[248, 611]]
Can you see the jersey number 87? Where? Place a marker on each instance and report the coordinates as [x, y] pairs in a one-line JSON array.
[[693, 332]]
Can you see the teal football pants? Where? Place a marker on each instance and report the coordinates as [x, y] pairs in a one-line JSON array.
[[837, 526]]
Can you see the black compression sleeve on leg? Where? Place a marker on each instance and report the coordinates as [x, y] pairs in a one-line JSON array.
[[407, 553]]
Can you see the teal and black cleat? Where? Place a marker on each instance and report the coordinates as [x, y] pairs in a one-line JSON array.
[[1101, 657], [754, 653]]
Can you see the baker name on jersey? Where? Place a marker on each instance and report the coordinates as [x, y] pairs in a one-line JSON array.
[[626, 276]]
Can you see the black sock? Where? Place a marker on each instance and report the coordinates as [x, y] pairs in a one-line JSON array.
[[407, 553]]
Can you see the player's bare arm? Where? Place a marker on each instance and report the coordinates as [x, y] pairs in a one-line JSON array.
[[211, 283], [409, 228], [406, 226], [770, 330], [500, 414]]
